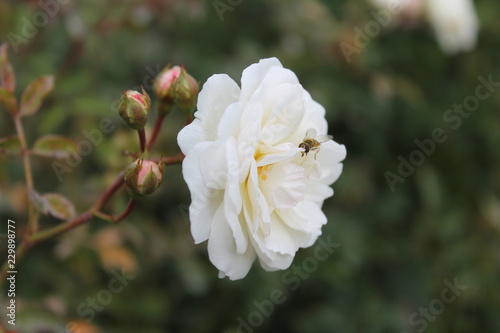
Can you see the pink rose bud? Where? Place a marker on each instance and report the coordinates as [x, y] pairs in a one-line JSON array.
[[143, 177], [134, 108], [185, 92], [164, 82]]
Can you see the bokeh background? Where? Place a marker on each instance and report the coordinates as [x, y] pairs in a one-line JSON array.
[[396, 247]]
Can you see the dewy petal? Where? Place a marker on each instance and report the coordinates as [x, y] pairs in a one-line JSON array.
[[222, 250]]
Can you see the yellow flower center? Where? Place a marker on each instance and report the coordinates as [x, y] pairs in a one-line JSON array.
[[264, 170]]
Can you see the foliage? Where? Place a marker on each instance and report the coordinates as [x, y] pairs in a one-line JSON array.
[[396, 248]]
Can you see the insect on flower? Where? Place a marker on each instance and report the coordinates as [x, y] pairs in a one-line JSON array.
[[313, 142]]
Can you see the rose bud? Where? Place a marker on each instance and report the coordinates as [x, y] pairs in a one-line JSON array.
[[143, 177], [164, 82], [134, 108], [185, 92]]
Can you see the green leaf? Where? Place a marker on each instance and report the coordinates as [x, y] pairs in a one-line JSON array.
[[59, 206], [7, 78], [55, 146], [53, 204], [10, 146], [33, 96], [38, 201], [8, 100]]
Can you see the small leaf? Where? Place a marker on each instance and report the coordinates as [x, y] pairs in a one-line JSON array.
[[38, 201], [59, 206], [33, 96], [53, 204], [7, 78], [10, 145], [8, 100], [55, 146]]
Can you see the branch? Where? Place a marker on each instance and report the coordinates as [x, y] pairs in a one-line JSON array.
[[117, 219], [142, 139], [32, 213], [156, 131], [37, 237]]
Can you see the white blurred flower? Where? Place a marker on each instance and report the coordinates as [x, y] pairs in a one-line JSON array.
[[407, 9], [455, 24], [253, 195]]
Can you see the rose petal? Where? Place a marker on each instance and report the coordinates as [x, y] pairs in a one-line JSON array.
[[253, 76], [217, 94], [222, 250], [204, 201], [190, 135]]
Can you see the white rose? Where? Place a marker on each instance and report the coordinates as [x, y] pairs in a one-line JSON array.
[[455, 24], [253, 194], [408, 9]]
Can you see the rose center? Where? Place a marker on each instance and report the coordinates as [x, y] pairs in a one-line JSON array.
[[264, 171]]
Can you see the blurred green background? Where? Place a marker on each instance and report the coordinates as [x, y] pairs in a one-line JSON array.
[[396, 248]]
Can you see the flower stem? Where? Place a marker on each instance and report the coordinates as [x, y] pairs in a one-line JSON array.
[[172, 159], [117, 219], [156, 131], [33, 216], [59, 229], [142, 139], [82, 218], [24, 150], [31, 239], [130, 207], [103, 199]]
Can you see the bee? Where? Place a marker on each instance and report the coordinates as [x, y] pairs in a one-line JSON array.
[[313, 142]]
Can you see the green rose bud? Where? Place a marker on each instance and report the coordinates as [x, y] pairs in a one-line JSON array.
[[185, 92], [134, 108]]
